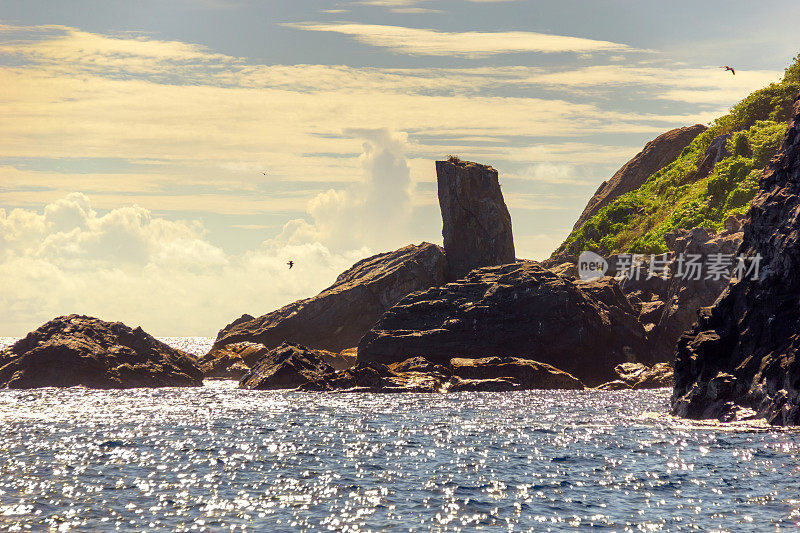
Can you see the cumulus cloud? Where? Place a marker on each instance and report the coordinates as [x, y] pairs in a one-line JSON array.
[[129, 265], [471, 44], [374, 211]]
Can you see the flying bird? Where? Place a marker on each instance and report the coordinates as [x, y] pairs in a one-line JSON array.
[[291, 264], [727, 68], [264, 173]]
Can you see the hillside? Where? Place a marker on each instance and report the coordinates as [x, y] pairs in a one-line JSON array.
[[688, 193]]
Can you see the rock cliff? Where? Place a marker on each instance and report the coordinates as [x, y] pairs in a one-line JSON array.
[[741, 358], [476, 223], [518, 310], [337, 317], [79, 350], [656, 154]]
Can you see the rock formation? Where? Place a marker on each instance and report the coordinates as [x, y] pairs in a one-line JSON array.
[[80, 350], [523, 373], [476, 223], [417, 374], [741, 358], [636, 376], [286, 367], [717, 151], [656, 154], [337, 317], [668, 307], [517, 310], [232, 361]]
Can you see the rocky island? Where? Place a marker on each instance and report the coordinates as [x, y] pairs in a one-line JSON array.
[[77, 350]]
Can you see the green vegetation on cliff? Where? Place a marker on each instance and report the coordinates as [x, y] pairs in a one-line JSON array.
[[676, 197]]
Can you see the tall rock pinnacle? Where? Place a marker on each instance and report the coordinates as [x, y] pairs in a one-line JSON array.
[[476, 223]]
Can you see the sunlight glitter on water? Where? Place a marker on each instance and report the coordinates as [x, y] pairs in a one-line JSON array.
[[221, 458]]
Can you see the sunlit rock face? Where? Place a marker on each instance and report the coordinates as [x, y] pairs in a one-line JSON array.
[[79, 350], [336, 318], [476, 223], [656, 154], [740, 360], [286, 367], [517, 310]]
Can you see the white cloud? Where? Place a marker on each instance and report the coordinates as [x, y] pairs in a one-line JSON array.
[[132, 266], [471, 44], [375, 211]]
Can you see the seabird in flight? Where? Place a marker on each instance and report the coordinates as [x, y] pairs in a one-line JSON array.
[[291, 264], [727, 68]]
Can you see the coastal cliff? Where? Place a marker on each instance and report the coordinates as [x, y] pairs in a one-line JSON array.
[[740, 360]]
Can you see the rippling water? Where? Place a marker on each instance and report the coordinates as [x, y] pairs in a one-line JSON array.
[[220, 458]]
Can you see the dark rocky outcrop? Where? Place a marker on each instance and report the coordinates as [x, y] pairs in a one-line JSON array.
[[741, 358], [668, 307], [523, 373], [232, 361], [717, 151], [636, 376], [78, 350], [518, 310], [656, 154], [286, 367], [337, 317], [417, 374], [476, 223]]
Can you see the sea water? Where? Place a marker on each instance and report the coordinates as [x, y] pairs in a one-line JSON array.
[[219, 458]]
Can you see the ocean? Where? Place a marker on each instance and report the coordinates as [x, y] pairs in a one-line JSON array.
[[218, 458]]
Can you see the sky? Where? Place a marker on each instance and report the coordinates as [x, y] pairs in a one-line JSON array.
[[161, 161]]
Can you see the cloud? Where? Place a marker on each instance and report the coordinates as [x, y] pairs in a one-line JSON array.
[[375, 211], [473, 44], [130, 265]]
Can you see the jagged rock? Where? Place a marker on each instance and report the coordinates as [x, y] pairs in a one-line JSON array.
[[286, 367], [517, 310], [685, 297], [639, 376], [226, 363], [656, 154], [337, 317], [417, 374], [78, 350], [617, 384], [342, 360], [476, 223], [717, 151], [523, 373], [636, 376], [484, 385], [741, 356], [375, 377]]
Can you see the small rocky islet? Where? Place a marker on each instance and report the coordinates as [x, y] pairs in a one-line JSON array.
[[470, 316]]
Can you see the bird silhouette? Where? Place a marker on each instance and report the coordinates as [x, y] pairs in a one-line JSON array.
[[264, 173], [727, 68], [291, 264]]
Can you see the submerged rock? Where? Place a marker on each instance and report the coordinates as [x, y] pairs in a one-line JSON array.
[[517, 310], [286, 367], [741, 358], [337, 317], [476, 223], [78, 350]]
